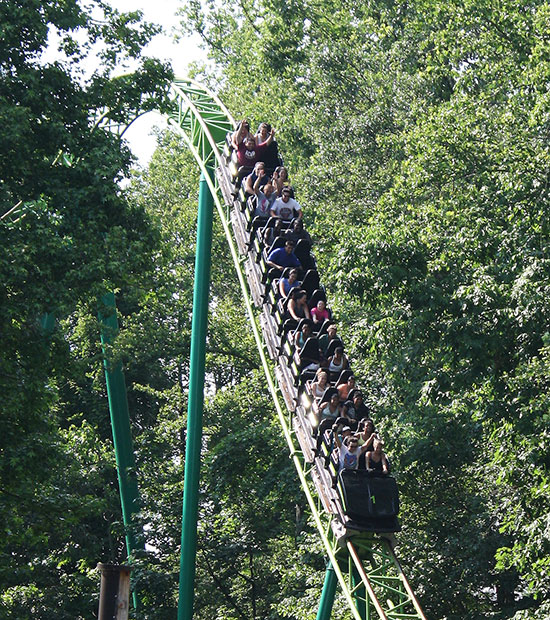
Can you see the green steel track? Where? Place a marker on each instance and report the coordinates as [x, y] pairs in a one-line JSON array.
[[369, 574]]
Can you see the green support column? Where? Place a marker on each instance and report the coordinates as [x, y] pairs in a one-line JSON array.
[[47, 322], [120, 424], [360, 594], [327, 596], [196, 401]]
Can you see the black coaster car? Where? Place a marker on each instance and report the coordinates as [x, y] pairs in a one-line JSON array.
[[371, 501]]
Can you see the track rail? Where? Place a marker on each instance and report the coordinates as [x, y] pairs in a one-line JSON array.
[[367, 569]]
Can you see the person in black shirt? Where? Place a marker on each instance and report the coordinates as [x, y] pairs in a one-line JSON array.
[[297, 232]]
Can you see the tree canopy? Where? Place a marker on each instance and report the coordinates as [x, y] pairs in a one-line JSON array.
[[71, 236], [417, 140], [416, 137]]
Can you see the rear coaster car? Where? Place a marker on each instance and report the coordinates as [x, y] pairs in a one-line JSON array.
[[370, 501]]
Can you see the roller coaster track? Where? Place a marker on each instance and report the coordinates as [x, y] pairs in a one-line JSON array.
[[365, 564]]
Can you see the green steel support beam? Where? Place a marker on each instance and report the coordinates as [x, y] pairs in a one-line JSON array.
[[327, 596], [120, 424], [47, 322], [359, 593], [196, 401]]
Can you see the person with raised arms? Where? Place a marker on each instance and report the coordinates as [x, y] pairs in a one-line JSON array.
[[348, 450], [265, 197]]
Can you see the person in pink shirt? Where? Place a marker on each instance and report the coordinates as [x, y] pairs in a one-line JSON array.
[[320, 312]]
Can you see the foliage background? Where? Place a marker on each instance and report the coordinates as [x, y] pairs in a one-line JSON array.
[[417, 138], [416, 134]]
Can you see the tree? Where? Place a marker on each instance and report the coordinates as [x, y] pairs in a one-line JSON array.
[[74, 236]]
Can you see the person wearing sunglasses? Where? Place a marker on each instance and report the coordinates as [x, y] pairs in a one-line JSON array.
[[348, 450]]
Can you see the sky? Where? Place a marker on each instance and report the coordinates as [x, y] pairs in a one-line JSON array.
[[164, 47]]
